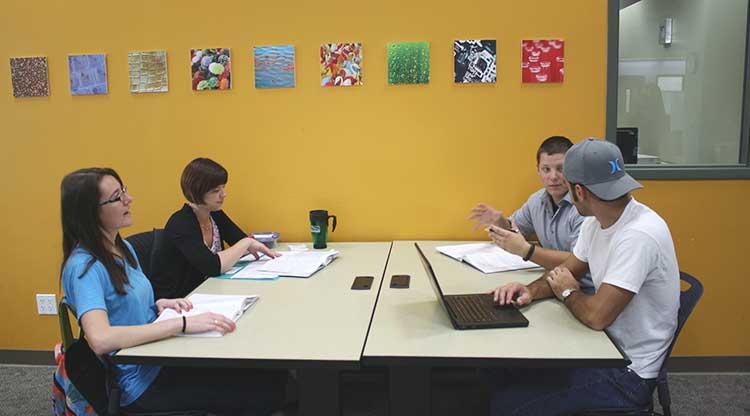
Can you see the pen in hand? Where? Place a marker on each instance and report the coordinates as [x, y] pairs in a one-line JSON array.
[[493, 229]]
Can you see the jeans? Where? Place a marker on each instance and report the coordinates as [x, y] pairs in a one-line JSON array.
[[532, 392], [217, 390]]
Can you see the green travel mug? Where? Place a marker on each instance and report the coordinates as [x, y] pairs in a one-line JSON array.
[[319, 227]]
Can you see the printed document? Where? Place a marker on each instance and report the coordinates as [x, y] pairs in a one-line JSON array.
[[486, 257], [299, 263], [231, 306]]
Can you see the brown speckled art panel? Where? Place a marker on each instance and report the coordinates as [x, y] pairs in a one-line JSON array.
[[148, 71], [29, 76]]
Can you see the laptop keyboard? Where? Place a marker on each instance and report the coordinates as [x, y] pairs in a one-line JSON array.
[[472, 308]]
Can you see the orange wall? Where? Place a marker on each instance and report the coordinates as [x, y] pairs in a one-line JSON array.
[[393, 162], [709, 221]]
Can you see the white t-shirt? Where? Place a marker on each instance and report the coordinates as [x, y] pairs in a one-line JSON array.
[[636, 253]]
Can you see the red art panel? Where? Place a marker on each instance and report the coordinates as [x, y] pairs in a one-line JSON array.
[[542, 61]]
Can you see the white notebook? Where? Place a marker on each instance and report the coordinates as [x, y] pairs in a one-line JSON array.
[[231, 306], [486, 257], [299, 263]]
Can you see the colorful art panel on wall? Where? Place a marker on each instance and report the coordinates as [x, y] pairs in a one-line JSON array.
[[88, 74], [542, 61], [211, 69], [274, 66], [29, 76], [340, 64], [148, 71], [408, 62], [475, 61]]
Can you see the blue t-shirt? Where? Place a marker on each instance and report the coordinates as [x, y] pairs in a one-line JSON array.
[[93, 290]]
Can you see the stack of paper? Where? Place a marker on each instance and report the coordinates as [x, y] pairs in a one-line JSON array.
[[299, 263], [231, 306], [486, 257]]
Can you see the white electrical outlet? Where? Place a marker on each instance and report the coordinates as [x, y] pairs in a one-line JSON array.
[[46, 304]]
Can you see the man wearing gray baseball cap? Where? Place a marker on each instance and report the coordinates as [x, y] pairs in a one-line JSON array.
[[628, 249]]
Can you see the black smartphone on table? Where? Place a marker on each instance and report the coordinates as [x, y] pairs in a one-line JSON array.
[[362, 283], [400, 281]]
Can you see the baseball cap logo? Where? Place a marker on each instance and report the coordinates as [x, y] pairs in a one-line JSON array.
[[614, 166]]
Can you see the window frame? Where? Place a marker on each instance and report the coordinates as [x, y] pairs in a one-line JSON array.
[[738, 171]]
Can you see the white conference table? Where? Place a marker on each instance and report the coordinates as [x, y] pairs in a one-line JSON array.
[[317, 325], [410, 332]]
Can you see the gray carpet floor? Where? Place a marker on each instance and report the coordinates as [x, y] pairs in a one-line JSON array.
[[25, 390]]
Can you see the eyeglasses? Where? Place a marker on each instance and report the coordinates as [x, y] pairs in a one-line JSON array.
[[118, 197]]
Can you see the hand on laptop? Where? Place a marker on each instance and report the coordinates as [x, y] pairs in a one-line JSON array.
[[512, 293]]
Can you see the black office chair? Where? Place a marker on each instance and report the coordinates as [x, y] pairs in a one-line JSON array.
[[145, 245], [688, 299], [112, 387], [63, 317]]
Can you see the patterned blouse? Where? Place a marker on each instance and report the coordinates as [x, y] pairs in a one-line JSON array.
[[216, 243]]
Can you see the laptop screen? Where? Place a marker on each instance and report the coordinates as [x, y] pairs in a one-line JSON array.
[[431, 275]]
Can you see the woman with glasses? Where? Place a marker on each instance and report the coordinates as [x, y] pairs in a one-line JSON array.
[[115, 307], [193, 245]]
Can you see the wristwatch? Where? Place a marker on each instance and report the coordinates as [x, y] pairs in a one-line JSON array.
[[567, 292]]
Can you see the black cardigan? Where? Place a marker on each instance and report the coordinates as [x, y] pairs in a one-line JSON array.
[[182, 260]]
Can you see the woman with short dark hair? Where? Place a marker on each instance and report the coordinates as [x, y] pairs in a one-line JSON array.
[[193, 245], [114, 304]]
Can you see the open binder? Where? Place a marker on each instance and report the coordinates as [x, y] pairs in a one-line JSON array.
[[299, 263], [486, 257], [231, 306]]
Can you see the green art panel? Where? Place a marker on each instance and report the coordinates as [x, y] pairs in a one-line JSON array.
[[408, 62]]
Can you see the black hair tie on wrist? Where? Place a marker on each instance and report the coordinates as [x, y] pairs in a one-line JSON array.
[[530, 253], [184, 323]]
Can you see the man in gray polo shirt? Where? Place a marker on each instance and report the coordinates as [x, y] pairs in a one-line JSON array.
[[628, 249], [548, 214]]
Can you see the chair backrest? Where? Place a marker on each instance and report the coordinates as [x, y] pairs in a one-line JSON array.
[[63, 315], [144, 245], [688, 299]]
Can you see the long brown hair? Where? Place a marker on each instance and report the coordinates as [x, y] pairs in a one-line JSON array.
[[82, 227]]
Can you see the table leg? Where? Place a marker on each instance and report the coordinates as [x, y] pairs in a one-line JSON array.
[[318, 392], [409, 391]]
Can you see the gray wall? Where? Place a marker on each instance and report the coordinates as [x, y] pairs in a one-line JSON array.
[[701, 124]]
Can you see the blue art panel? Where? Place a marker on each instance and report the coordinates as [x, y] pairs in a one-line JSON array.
[[274, 66], [88, 74]]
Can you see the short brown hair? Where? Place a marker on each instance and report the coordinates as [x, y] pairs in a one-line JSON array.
[[554, 145], [200, 176]]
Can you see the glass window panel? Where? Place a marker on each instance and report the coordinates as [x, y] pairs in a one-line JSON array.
[[680, 102]]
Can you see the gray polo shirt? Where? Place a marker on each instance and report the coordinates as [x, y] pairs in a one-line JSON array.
[[556, 230]]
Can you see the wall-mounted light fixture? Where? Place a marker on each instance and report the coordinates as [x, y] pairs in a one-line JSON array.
[[665, 32]]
